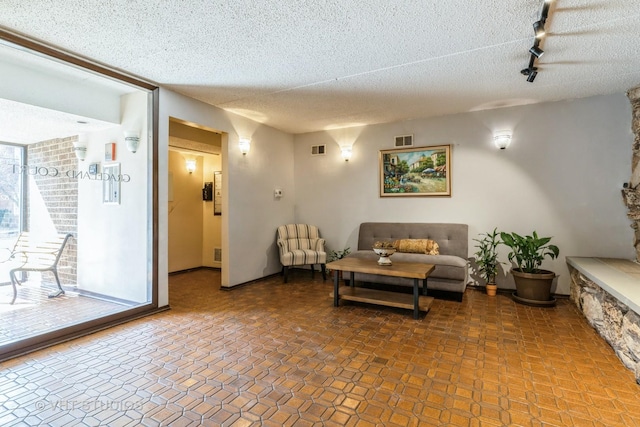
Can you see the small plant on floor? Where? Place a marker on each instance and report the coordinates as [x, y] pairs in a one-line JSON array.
[[336, 255], [487, 258], [528, 252], [533, 284]]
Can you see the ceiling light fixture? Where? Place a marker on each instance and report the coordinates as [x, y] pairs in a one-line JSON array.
[[527, 71], [536, 51], [538, 29]]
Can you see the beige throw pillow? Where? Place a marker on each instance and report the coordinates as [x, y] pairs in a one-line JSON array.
[[418, 246]]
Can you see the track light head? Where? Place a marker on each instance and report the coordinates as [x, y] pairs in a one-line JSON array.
[[538, 28], [545, 8], [528, 71], [536, 51], [532, 75]]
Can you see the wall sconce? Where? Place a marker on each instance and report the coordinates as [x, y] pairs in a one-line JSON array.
[[346, 153], [502, 139], [80, 147], [132, 140], [191, 166], [245, 145]]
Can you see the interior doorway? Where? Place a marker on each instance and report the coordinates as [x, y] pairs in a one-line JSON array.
[[194, 215]]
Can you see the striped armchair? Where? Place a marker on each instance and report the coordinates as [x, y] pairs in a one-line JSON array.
[[300, 244]]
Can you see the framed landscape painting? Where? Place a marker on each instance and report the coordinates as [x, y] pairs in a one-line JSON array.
[[416, 171]]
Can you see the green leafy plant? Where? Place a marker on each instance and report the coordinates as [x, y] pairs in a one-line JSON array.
[[486, 256], [336, 255], [529, 251]]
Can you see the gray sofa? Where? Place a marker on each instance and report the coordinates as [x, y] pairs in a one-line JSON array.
[[452, 270]]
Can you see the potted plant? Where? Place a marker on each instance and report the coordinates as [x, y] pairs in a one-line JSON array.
[[487, 259], [533, 285], [336, 255]]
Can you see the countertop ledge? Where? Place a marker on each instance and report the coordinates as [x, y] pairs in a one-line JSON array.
[[619, 277]]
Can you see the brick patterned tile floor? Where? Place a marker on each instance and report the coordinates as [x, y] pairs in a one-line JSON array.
[[274, 354]]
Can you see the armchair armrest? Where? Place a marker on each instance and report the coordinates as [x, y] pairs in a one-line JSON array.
[[319, 244], [283, 245]]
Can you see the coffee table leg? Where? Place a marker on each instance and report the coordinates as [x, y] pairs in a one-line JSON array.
[[335, 289], [416, 293]]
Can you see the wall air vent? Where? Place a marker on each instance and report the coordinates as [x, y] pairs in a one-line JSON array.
[[217, 254], [318, 150], [404, 141]]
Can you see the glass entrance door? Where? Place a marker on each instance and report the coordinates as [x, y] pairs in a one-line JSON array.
[[78, 198]]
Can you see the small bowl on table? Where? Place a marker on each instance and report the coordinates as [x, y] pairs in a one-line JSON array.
[[384, 254]]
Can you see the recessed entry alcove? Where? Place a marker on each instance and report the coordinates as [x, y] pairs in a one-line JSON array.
[[194, 226]]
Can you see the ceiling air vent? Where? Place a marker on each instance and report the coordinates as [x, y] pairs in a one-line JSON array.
[[318, 150], [404, 141]]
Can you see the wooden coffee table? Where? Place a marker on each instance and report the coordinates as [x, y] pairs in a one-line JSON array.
[[408, 270]]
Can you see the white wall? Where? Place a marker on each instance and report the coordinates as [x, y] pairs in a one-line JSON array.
[[250, 213], [561, 176], [211, 224], [113, 239]]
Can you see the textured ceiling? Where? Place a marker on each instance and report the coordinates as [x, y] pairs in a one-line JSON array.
[[303, 66]]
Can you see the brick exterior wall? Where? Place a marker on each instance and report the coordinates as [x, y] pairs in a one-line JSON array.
[[60, 196]]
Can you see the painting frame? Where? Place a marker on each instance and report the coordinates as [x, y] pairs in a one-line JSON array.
[[415, 171]]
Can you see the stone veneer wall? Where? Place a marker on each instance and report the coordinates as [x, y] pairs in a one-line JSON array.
[[60, 196], [613, 320], [631, 192]]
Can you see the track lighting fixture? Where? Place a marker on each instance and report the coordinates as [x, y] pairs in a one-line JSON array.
[[536, 51], [538, 29], [528, 71]]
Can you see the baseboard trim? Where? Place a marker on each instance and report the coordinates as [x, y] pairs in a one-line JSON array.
[[250, 282], [189, 270]]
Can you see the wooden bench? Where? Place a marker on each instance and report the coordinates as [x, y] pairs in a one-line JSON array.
[[36, 253]]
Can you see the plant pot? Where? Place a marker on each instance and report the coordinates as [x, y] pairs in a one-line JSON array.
[[532, 287], [491, 289]]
